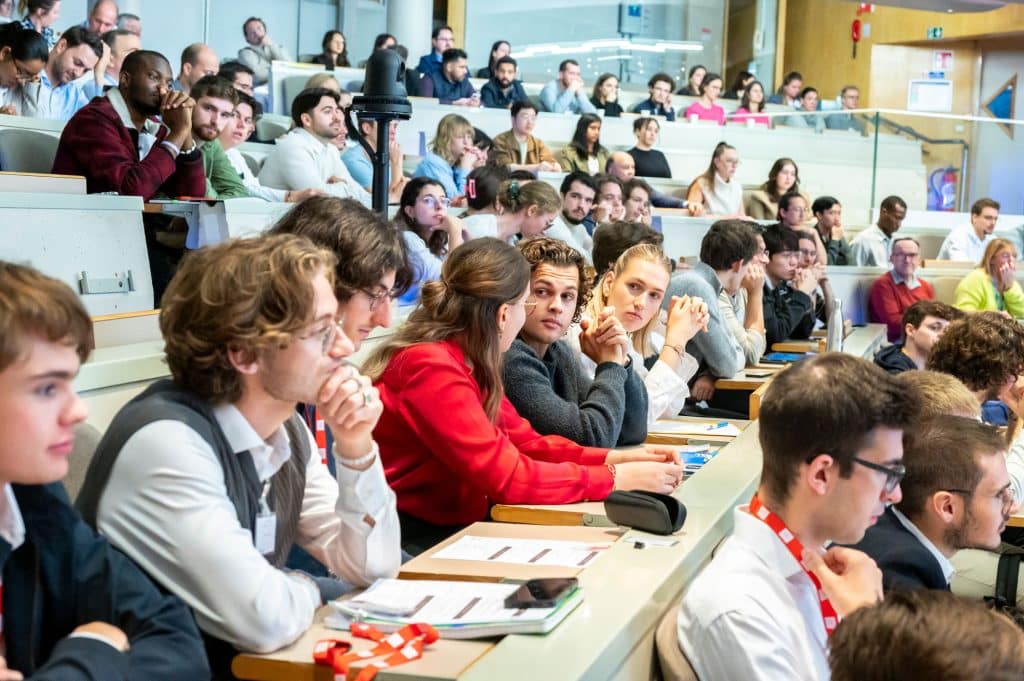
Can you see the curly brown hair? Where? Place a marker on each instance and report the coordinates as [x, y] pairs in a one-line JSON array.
[[984, 350], [242, 294], [546, 251]]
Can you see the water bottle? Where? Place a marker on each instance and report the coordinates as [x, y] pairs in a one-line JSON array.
[[834, 338]]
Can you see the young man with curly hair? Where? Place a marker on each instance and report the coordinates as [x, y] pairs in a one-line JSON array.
[[542, 378], [207, 479]]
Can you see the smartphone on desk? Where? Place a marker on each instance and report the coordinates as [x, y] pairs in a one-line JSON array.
[[542, 593]]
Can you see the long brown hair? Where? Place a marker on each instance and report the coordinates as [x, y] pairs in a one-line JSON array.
[[771, 187], [477, 278], [709, 174]]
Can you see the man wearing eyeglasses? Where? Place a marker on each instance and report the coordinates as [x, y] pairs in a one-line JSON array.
[[207, 480], [893, 293], [765, 606], [956, 495]]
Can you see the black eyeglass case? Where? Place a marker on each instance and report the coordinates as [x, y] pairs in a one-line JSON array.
[[647, 511]]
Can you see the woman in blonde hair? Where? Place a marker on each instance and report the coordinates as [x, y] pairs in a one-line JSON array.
[[632, 292], [993, 285], [452, 155], [451, 443], [526, 208]]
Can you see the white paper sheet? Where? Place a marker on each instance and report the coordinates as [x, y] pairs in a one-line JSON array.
[[692, 428], [524, 551]]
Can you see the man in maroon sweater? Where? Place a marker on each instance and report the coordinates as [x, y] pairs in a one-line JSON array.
[[135, 140]]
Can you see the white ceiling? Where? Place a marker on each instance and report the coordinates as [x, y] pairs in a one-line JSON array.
[[948, 5]]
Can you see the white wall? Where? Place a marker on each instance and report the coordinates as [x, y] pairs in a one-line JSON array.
[[998, 161]]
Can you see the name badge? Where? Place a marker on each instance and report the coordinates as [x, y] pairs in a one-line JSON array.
[[266, 533]]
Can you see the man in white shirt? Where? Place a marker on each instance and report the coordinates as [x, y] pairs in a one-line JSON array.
[[305, 157], [207, 479], [967, 243], [76, 53], [764, 607], [120, 44], [871, 248], [956, 495]]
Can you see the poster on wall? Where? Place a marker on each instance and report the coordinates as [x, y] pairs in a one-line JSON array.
[[930, 95], [942, 60]]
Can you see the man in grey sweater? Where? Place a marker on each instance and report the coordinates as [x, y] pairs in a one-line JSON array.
[[725, 256], [542, 377]]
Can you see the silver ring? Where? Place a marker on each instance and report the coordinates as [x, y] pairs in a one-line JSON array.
[[366, 398]]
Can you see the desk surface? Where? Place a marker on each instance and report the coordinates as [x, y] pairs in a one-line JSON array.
[[1015, 521], [610, 635], [443, 660]]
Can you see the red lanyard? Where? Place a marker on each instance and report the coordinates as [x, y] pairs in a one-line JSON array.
[[405, 645], [828, 613]]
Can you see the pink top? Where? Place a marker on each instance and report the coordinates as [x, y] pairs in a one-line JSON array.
[[715, 113], [742, 114]]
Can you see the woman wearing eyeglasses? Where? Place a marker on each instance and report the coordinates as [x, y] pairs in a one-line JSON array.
[[428, 229], [716, 191], [23, 55], [451, 442], [373, 268]]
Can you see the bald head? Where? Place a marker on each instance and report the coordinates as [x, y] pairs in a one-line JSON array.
[[103, 17], [197, 61], [622, 166]]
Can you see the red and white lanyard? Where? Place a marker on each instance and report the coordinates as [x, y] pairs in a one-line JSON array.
[[829, 616], [405, 645]]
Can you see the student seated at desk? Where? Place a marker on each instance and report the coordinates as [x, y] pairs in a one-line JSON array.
[[585, 153], [542, 378], [451, 441], [73, 607], [993, 284], [452, 155], [429, 230], [924, 322], [892, 294], [788, 308], [207, 479], [522, 209], [23, 54], [765, 605], [716, 191], [632, 291], [743, 311]]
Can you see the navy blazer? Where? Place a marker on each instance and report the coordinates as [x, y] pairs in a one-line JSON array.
[[905, 562], [65, 575]]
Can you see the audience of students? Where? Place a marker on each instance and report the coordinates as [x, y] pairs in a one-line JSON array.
[[73, 606], [193, 475], [927, 635], [632, 291], [428, 229], [956, 495], [922, 326], [705, 109], [766, 604], [967, 243], [716, 191], [993, 284], [542, 379], [584, 152], [451, 442], [605, 96], [523, 208]]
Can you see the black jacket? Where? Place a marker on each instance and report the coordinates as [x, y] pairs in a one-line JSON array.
[[788, 313], [904, 561], [892, 359], [65, 575]]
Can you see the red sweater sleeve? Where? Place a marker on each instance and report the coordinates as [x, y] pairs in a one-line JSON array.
[[884, 307], [440, 403], [96, 144]]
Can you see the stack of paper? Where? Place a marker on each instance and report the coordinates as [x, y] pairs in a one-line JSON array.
[[679, 427], [575, 554], [455, 609]]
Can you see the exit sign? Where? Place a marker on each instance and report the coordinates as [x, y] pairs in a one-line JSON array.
[[934, 33]]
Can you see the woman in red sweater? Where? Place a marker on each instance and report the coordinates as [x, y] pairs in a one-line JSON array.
[[451, 443]]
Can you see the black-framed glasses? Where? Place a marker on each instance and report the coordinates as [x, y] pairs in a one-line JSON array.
[[378, 297], [1004, 496], [893, 474]]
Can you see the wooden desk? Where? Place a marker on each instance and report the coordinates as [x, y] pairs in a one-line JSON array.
[[443, 660], [425, 566], [654, 437], [1015, 521], [589, 513], [800, 346]]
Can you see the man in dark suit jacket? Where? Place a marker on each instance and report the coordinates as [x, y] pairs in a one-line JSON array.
[[956, 495]]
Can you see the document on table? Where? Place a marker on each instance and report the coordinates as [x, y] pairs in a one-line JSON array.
[[691, 428], [523, 551]]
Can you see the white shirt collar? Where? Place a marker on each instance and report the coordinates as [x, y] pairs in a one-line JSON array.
[[12, 526], [947, 568], [766, 544], [911, 283], [309, 138], [267, 455], [149, 127]]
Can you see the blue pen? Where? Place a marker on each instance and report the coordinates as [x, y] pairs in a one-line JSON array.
[[720, 424]]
